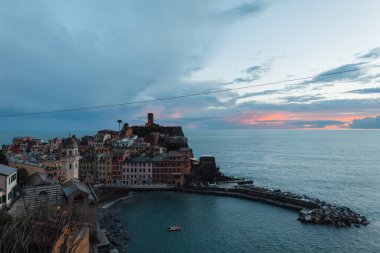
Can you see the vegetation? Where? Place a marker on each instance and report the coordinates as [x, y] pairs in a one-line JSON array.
[[22, 177], [3, 158], [46, 230]]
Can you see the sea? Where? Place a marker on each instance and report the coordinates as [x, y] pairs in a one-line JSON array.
[[341, 167]]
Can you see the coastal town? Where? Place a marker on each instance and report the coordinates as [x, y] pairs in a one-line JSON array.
[[64, 184], [66, 172]]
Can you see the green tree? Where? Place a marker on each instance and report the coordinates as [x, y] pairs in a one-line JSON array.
[[22, 177], [3, 158]]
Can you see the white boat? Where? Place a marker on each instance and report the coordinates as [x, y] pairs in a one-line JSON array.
[[175, 228]]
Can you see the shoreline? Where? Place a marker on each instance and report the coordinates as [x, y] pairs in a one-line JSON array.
[[109, 204]]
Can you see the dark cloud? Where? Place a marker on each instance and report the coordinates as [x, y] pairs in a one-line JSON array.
[[366, 123], [260, 93], [247, 9], [303, 99], [347, 72], [365, 91], [57, 56], [371, 54]]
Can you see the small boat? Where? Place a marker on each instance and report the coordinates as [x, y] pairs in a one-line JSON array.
[[175, 228]]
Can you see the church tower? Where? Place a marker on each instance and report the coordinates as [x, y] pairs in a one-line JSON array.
[[70, 158]]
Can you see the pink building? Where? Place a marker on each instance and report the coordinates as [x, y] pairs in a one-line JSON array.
[[170, 168]]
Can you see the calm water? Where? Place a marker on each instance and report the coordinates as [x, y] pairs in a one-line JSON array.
[[337, 166]]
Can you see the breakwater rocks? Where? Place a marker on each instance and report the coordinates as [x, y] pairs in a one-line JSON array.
[[332, 215], [311, 210], [315, 211]]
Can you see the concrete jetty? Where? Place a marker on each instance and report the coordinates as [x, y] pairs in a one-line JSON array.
[[310, 210]]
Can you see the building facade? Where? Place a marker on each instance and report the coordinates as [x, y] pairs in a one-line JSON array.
[[70, 158], [8, 182], [137, 171], [170, 168]]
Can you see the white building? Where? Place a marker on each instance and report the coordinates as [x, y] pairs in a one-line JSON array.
[[137, 170], [70, 158], [8, 181], [125, 142]]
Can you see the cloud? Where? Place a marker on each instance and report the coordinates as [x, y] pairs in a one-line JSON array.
[[365, 91], [366, 123], [371, 54], [247, 9], [260, 93], [303, 99], [312, 124], [253, 73], [348, 72], [55, 56]]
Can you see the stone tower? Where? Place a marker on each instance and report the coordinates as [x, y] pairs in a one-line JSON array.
[[70, 158], [150, 120]]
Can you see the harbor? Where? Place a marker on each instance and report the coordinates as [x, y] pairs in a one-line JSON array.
[[310, 210]]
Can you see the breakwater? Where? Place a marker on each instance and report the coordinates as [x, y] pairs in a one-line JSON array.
[[310, 210]]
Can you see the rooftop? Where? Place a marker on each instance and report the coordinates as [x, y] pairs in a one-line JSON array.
[[39, 179], [73, 186], [69, 143], [6, 170], [139, 159]]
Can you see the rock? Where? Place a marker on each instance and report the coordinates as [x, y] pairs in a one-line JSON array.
[[114, 242], [327, 220]]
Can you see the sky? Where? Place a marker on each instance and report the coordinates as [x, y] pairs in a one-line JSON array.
[[58, 55]]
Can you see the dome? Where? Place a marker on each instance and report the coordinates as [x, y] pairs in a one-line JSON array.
[[69, 143]]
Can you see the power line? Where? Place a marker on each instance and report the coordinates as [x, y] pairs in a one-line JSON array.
[[187, 95]]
